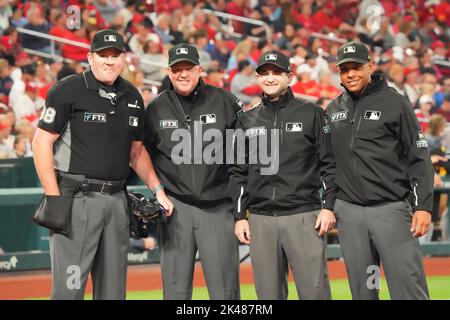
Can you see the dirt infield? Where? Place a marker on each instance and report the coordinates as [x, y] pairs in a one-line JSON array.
[[148, 277]]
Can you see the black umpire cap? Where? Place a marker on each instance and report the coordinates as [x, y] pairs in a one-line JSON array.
[[107, 39], [183, 52], [353, 52], [275, 58]]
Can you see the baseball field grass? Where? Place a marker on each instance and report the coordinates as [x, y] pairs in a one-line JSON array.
[[439, 287]]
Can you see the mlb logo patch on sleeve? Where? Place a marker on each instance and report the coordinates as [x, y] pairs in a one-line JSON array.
[[240, 112], [372, 115], [133, 121], [208, 118], [421, 141], [240, 103]]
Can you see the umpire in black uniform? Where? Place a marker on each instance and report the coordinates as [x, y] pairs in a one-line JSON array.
[[385, 180], [89, 133], [285, 204], [203, 218]]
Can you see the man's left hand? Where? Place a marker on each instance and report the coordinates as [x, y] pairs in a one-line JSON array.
[[420, 223], [325, 221]]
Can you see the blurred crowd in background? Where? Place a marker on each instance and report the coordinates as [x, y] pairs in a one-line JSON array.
[[408, 40]]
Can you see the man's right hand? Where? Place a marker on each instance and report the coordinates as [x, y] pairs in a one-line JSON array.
[[437, 181], [242, 231], [149, 243], [436, 158]]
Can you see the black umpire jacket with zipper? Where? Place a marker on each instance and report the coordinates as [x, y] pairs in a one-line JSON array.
[[306, 164], [381, 154], [194, 182]]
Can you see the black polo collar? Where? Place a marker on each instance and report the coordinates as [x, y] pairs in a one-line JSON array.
[[92, 83]]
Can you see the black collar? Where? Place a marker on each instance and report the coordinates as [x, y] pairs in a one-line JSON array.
[[92, 83], [200, 85], [283, 101], [378, 82]]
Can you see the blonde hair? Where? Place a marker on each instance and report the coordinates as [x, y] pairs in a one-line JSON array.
[[426, 89], [436, 121], [242, 49], [395, 69]]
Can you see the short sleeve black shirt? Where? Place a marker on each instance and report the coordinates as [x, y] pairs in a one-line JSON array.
[[96, 132]]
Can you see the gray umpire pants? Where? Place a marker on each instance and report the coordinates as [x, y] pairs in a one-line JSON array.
[[211, 232], [283, 241], [368, 234], [97, 243]]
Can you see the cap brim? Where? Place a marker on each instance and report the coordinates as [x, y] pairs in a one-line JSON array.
[[183, 59], [361, 61], [272, 63], [107, 47]]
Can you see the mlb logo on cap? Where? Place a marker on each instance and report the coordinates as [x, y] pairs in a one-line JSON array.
[[182, 51], [275, 58], [353, 52], [107, 39], [271, 56], [350, 49], [110, 38]]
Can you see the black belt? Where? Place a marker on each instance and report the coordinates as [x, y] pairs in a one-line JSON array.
[[107, 187], [94, 185]]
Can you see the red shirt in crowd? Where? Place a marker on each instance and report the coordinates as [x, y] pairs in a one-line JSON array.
[[330, 91], [59, 32], [233, 8], [311, 88], [442, 12], [422, 120], [73, 52], [324, 17], [444, 113], [25, 7], [167, 5]]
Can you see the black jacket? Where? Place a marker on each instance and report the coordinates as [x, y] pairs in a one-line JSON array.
[[381, 154], [193, 181], [306, 162]]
